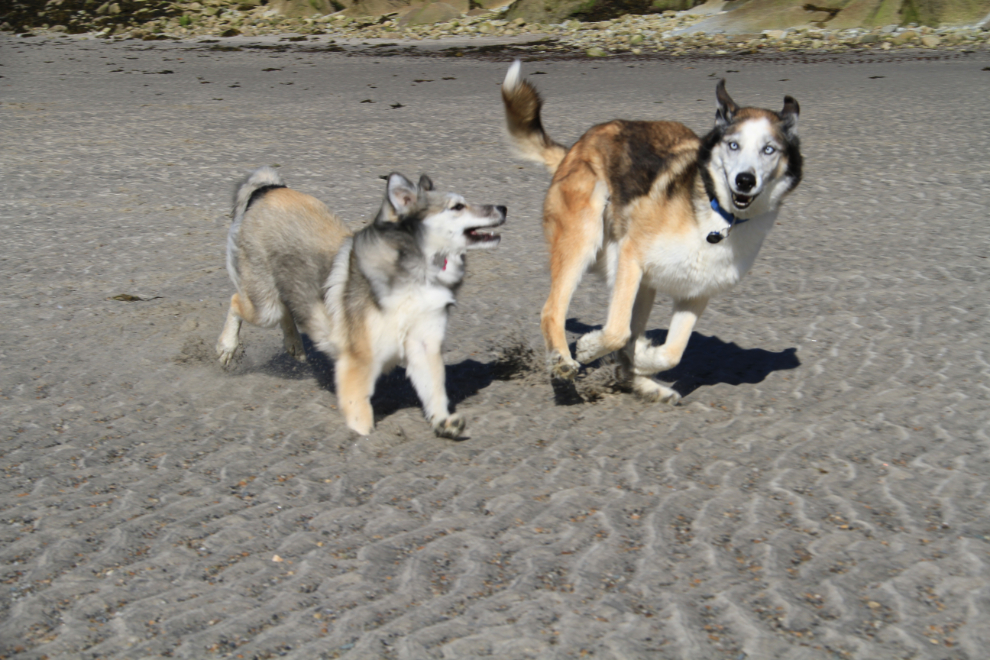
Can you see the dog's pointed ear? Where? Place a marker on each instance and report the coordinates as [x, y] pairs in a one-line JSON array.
[[402, 193], [727, 108], [425, 183], [789, 115]]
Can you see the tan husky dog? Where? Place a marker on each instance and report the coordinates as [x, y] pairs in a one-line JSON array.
[[657, 209], [373, 300]]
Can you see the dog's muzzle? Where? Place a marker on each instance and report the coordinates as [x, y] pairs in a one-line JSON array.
[[478, 237], [745, 182]]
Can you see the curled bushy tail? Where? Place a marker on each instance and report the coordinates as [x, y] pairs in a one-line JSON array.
[[522, 118], [263, 177]]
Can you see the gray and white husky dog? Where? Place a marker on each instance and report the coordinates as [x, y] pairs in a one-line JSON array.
[[372, 300]]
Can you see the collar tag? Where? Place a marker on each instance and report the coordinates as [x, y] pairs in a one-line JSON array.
[[716, 236]]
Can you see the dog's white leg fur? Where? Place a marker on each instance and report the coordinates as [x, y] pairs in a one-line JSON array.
[[649, 360], [228, 341], [644, 386], [290, 337], [652, 391], [425, 368], [319, 329], [617, 330]]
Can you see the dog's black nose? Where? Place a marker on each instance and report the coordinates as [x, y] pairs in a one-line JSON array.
[[502, 210], [745, 181]]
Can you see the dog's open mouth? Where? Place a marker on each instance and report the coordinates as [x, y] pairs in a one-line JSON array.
[[741, 201], [480, 237]]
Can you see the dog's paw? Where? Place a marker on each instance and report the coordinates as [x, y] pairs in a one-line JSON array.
[[652, 391], [296, 350], [451, 427], [360, 427], [589, 347], [562, 367], [652, 360], [225, 353]]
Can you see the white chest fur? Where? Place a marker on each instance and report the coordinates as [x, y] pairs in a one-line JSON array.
[[686, 265], [416, 313], [409, 310]]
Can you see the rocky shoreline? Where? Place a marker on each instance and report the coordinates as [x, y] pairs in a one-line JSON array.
[[670, 33]]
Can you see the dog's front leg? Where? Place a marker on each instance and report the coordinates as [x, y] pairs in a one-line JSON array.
[[649, 359], [617, 329], [355, 375], [425, 368], [644, 386]]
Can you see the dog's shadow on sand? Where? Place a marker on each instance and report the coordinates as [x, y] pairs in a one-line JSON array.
[[707, 361], [710, 361], [393, 391]]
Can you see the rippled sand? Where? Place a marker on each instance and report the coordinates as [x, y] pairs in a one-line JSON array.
[[820, 492]]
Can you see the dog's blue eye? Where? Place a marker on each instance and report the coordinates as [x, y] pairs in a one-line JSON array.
[[734, 146], [768, 149], [457, 207]]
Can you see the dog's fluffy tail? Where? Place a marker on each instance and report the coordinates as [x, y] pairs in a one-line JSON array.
[[522, 118], [263, 177]]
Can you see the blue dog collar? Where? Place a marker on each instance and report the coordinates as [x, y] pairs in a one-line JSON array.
[[728, 217], [716, 236]]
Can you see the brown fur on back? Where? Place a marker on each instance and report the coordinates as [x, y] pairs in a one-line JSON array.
[[303, 220], [641, 162]]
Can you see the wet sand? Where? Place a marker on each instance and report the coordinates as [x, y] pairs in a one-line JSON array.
[[819, 493]]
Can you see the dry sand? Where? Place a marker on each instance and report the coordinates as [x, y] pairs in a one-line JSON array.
[[821, 492]]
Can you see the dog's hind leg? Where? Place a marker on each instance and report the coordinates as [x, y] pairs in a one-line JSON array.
[[290, 337], [424, 366], [573, 219], [648, 360], [240, 310], [355, 376]]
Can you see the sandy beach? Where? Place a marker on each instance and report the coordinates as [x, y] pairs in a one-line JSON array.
[[819, 493]]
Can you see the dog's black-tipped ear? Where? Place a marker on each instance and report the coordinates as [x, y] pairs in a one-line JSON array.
[[727, 108], [425, 183], [789, 115], [402, 193]]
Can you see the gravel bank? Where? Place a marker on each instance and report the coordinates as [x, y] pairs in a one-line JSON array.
[[668, 34]]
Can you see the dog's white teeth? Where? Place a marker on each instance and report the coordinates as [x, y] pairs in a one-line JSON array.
[[741, 201], [481, 236]]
